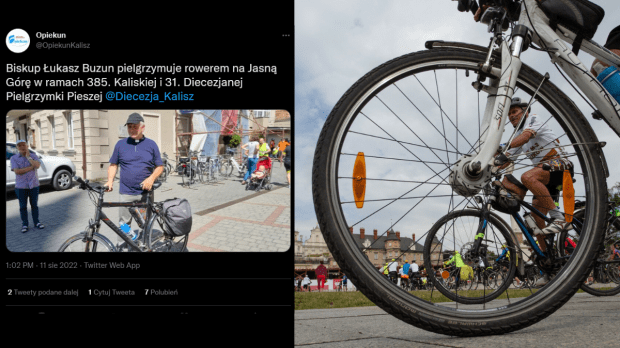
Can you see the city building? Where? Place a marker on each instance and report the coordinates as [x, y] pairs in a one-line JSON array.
[[87, 137]]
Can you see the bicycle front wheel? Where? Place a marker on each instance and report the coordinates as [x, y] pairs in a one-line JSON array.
[[77, 243], [383, 161]]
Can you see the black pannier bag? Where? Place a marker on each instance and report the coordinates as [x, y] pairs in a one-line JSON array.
[[579, 16], [177, 216]]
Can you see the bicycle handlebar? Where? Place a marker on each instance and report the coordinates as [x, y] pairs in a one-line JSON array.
[[85, 184]]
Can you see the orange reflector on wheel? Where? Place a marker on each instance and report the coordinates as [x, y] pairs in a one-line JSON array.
[[569, 196], [445, 274], [359, 180]]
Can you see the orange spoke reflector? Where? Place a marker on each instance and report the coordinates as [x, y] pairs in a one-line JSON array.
[[568, 195], [445, 274], [359, 180]]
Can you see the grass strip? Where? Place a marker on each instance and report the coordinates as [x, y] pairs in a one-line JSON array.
[[327, 300]]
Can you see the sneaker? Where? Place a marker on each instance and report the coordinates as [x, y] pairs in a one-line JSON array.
[[556, 226], [24, 229], [542, 281]]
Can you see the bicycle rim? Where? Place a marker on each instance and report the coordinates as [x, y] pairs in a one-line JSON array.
[[409, 147]]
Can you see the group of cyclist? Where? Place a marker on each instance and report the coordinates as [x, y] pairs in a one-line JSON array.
[[409, 274]]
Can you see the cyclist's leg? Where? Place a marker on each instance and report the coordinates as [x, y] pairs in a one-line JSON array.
[[514, 187], [536, 180]]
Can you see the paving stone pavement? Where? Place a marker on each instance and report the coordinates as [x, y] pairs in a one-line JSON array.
[[225, 217]]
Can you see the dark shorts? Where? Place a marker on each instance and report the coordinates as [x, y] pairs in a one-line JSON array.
[[287, 165], [555, 183], [613, 40]]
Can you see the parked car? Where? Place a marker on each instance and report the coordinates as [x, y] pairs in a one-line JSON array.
[[58, 171]]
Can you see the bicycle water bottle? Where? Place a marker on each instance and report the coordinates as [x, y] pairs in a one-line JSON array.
[[610, 79], [128, 231], [531, 223]]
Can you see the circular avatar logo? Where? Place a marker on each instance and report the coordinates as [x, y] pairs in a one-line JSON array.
[[17, 40]]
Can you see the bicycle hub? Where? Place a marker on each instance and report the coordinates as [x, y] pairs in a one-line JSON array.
[[467, 178]]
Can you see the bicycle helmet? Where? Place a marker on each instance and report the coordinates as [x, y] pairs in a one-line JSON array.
[[517, 102]]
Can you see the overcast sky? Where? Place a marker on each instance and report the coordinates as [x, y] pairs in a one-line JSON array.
[[337, 42]]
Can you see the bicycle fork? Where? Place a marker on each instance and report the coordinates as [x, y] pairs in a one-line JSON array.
[[471, 173]]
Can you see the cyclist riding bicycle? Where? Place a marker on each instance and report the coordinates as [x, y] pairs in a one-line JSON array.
[[458, 262], [541, 145], [405, 272]]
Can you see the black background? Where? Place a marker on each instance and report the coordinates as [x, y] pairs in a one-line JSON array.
[[252, 287]]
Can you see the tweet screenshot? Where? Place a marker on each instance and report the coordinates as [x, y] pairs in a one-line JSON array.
[[148, 167]]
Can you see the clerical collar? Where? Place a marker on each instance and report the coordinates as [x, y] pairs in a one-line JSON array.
[[133, 141]]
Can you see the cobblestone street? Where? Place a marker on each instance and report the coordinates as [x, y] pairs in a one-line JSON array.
[[226, 217]]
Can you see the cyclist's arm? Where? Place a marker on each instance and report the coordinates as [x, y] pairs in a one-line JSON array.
[[522, 138]]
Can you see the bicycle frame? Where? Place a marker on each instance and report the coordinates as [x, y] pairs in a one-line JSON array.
[[497, 107]]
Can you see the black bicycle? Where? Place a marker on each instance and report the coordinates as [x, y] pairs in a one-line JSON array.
[[188, 169], [150, 239]]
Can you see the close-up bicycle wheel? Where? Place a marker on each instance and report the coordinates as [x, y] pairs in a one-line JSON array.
[[78, 244], [383, 161]]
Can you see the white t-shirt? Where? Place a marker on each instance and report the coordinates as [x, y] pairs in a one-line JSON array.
[[392, 266], [543, 142], [252, 147], [400, 271], [414, 267]]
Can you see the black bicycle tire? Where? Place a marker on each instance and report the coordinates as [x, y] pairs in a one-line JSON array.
[[415, 311]]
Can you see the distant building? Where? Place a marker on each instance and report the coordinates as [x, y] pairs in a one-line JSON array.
[[392, 245], [378, 249], [59, 133]]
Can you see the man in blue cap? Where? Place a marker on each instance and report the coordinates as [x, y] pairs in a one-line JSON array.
[[140, 162]]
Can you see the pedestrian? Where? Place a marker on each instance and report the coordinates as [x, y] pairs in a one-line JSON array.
[[287, 163], [140, 162], [272, 145], [263, 148], [282, 146], [344, 282], [252, 148], [25, 165], [306, 282], [321, 275], [298, 284]]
